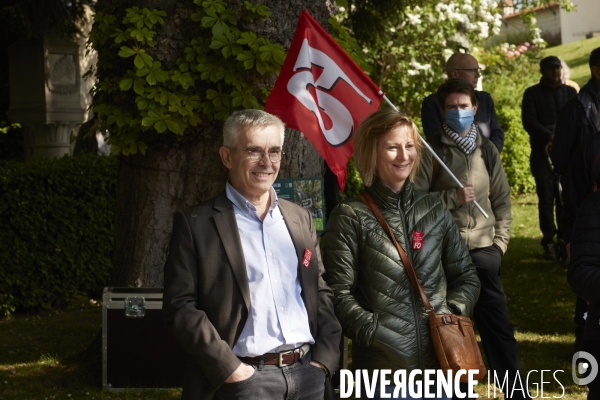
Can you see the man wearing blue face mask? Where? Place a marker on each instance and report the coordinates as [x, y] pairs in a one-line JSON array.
[[464, 66], [476, 164]]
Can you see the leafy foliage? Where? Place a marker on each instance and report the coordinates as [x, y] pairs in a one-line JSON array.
[[343, 36], [12, 146], [35, 19], [508, 70], [515, 155], [370, 20], [354, 184], [57, 218], [408, 49], [209, 80]]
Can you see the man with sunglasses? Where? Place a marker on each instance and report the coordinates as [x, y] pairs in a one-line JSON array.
[[244, 292], [539, 112], [466, 67]]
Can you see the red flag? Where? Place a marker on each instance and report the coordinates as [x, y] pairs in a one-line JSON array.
[[323, 93]]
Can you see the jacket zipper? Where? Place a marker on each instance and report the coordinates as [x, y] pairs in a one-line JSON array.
[[470, 205], [412, 291]]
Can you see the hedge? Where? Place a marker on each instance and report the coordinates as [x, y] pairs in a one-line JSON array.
[[56, 230], [12, 146], [515, 154]]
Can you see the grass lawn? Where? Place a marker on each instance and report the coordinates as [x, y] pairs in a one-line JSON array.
[[37, 357], [37, 351], [577, 56]]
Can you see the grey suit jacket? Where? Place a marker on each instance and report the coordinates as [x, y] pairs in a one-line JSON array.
[[207, 297]]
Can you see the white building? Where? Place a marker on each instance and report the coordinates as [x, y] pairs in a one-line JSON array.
[[557, 25], [582, 22]]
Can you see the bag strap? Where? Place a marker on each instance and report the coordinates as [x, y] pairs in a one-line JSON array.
[[435, 142], [486, 153], [366, 198]]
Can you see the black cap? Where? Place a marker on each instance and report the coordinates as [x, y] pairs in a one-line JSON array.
[[550, 62]]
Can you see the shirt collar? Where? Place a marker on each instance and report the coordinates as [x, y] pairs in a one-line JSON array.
[[243, 204]]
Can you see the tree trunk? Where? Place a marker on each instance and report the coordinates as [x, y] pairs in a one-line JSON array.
[[178, 172]]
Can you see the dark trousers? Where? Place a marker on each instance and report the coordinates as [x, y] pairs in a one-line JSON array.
[[299, 381], [593, 347], [548, 199], [492, 320], [581, 308]]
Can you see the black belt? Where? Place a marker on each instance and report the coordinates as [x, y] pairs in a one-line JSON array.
[[281, 359]]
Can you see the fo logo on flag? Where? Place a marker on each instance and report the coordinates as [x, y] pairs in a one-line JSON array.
[[299, 84], [323, 93]]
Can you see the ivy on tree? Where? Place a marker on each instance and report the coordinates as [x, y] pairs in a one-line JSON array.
[[173, 100]]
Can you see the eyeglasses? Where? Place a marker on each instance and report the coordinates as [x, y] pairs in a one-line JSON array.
[[257, 155], [471, 70]]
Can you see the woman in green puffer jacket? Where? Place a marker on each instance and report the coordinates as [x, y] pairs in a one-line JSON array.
[[374, 299]]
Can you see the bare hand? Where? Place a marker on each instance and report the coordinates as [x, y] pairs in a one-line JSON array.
[[465, 194], [243, 372]]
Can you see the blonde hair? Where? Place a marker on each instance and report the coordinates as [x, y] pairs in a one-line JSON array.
[[368, 134]]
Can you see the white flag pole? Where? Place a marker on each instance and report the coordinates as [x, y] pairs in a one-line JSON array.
[[460, 185]]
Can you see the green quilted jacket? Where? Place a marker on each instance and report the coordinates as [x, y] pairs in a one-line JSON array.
[[374, 300]]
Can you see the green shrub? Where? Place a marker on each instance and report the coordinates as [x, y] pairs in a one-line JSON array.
[[12, 147], [354, 184], [507, 75], [56, 229], [515, 155]]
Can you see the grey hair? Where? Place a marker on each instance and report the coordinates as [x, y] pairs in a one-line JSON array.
[[243, 120]]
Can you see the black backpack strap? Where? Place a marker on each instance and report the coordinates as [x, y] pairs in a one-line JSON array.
[[435, 142], [486, 153], [595, 170]]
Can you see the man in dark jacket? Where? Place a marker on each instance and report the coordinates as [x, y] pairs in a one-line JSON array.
[[464, 66], [579, 181], [578, 119], [540, 107], [244, 292], [578, 122], [584, 275], [576, 145]]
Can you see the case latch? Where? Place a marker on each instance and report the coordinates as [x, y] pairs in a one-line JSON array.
[[135, 307]]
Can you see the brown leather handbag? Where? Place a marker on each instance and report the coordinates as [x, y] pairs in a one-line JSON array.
[[452, 335]]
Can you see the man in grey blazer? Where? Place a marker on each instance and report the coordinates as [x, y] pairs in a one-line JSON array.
[[244, 292]]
